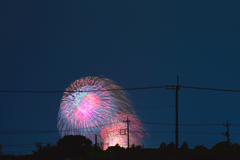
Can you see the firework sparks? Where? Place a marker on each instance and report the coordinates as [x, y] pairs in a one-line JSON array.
[[90, 103], [111, 134]]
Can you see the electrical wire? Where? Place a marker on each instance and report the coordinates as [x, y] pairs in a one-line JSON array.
[[184, 124], [139, 88], [211, 78], [40, 132], [200, 133], [122, 89], [211, 108], [212, 89], [76, 78], [58, 108]]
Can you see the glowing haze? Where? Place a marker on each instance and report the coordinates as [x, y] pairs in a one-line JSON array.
[[94, 105], [116, 132]]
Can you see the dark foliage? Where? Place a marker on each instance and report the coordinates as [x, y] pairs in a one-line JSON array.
[[74, 146], [68, 146], [79, 147]]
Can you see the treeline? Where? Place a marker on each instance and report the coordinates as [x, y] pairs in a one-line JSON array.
[[79, 147], [221, 151]]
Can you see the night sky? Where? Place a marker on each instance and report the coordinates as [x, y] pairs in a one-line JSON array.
[[46, 45]]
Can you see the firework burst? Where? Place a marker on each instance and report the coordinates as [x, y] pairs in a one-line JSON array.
[[116, 131], [90, 103]]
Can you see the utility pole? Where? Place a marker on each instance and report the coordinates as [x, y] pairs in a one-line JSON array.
[[123, 132], [128, 130], [176, 114], [177, 88], [227, 133], [95, 146]]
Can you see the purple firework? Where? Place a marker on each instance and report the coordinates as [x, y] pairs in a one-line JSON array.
[[89, 104]]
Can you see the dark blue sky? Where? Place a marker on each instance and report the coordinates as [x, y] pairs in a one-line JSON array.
[[46, 45]]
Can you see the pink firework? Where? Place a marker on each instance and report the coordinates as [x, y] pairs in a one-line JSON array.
[[116, 131], [90, 103]]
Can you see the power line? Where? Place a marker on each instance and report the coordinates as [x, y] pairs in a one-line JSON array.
[[182, 124], [139, 88], [33, 78], [58, 107], [154, 107], [39, 132], [79, 78], [134, 108], [11, 141], [11, 151], [236, 125], [211, 78], [29, 108], [17, 145], [121, 89], [201, 124], [192, 139], [200, 133], [212, 89], [211, 108]]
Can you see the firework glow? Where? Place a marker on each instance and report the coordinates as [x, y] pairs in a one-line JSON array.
[[116, 131], [89, 104]]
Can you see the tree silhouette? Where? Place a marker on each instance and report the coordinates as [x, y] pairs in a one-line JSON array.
[[184, 150], [116, 151], [38, 145], [170, 149], [221, 150], [162, 145], [74, 145], [200, 150], [184, 145], [1, 147], [80, 147], [235, 151], [162, 150]]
